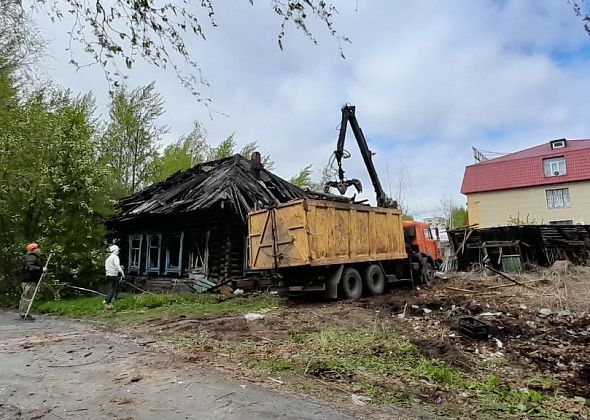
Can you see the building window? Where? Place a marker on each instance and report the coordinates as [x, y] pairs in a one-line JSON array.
[[153, 252], [135, 252], [557, 144], [558, 198], [554, 166], [174, 253]]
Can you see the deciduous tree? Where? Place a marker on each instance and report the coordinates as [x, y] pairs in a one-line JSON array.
[[52, 189], [129, 145], [115, 34]]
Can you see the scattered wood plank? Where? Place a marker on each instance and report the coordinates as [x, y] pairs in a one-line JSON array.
[[515, 284], [501, 274], [461, 290]]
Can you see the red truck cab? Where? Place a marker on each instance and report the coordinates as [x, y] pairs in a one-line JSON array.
[[420, 238]]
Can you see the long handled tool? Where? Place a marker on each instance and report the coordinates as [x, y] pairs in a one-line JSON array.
[[38, 283], [85, 290]]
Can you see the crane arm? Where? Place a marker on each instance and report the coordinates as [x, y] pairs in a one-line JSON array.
[[349, 117]]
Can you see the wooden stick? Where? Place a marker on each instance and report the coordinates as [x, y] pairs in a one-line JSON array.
[[547, 289], [276, 380], [138, 288], [461, 290], [514, 284], [81, 364], [37, 287], [506, 277]]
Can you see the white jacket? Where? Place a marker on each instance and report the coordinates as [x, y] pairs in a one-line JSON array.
[[112, 265]]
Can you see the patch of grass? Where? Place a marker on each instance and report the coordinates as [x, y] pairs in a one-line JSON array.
[[273, 365], [543, 382], [401, 395], [390, 369], [78, 307], [436, 371], [134, 308], [514, 401]]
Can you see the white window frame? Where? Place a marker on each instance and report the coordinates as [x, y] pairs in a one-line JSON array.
[[135, 267], [558, 144], [178, 269], [149, 252], [558, 198], [554, 166]]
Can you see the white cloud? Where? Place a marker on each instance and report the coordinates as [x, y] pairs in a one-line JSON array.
[[429, 79]]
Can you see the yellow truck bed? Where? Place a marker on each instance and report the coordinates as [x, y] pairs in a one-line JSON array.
[[309, 232]]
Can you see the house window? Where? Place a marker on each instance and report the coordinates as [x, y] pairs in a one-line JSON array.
[[174, 253], [554, 166], [558, 198], [135, 252], [153, 252], [557, 144]]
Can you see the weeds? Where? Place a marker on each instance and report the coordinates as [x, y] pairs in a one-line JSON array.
[[390, 369], [436, 371], [375, 362], [273, 365], [137, 308]]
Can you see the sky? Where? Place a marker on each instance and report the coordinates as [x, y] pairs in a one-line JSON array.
[[429, 80]]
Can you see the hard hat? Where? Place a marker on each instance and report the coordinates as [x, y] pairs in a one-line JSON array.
[[32, 246], [113, 248]]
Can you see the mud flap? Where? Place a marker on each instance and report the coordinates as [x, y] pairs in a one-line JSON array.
[[333, 279]]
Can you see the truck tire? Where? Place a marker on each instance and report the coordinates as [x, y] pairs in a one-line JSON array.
[[374, 280], [351, 284], [427, 272]]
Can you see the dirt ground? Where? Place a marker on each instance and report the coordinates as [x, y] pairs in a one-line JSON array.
[[522, 342], [184, 367], [56, 369], [557, 344]]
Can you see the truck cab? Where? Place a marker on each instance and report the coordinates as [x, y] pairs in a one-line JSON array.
[[419, 238]]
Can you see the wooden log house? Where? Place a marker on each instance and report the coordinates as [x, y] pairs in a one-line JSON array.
[[193, 224]]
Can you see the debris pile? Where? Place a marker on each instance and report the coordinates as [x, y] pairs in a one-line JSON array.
[[511, 248], [521, 339]]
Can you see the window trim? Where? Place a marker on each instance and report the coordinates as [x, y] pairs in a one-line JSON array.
[[558, 144], [132, 237], [552, 191], [148, 268], [555, 160], [167, 268]]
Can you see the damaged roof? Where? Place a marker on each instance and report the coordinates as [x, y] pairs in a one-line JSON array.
[[235, 181]]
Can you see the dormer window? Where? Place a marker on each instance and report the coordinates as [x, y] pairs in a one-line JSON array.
[[557, 144], [554, 166]]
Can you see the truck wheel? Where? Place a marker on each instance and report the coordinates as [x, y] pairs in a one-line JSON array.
[[351, 284], [374, 280], [427, 272]]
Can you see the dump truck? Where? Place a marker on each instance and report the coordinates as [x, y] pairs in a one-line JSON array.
[[344, 250], [341, 249]]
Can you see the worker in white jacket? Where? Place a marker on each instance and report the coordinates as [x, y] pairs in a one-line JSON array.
[[114, 273]]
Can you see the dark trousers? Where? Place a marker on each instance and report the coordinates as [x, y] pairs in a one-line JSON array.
[[114, 281]]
